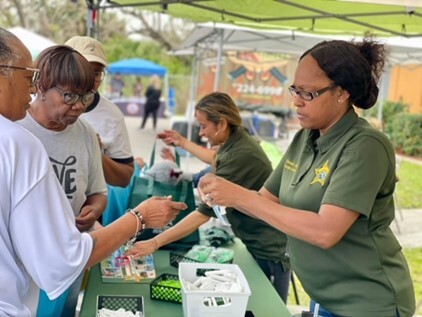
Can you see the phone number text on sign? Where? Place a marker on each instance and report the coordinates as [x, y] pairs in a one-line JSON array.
[[261, 90]]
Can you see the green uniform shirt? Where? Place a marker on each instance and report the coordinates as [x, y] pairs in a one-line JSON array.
[[352, 166], [241, 160]]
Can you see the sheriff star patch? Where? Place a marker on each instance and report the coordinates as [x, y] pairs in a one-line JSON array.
[[321, 174]]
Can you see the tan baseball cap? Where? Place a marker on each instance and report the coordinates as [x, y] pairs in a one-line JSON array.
[[89, 48]]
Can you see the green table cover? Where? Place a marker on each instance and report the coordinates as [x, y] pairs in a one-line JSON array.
[[263, 302]]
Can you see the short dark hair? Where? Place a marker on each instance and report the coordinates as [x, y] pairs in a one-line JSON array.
[[61, 65], [7, 55], [354, 66]]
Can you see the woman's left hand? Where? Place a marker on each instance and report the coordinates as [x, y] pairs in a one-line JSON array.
[[143, 248], [215, 190]]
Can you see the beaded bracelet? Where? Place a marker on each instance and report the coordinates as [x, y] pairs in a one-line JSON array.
[[139, 219], [137, 214]]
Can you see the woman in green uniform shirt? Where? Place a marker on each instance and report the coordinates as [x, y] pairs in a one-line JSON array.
[[241, 160], [332, 193]]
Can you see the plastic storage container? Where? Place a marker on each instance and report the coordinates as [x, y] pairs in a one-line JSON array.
[[195, 302], [115, 302], [166, 293]]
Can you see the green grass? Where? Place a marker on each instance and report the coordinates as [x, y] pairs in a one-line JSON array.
[[409, 186], [414, 259]]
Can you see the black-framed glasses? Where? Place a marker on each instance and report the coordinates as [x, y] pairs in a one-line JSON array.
[[35, 72], [99, 75], [309, 95], [71, 98]]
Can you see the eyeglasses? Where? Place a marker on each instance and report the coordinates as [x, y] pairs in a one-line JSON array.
[[99, 75], [35, 73], [71, 98], [309, 95]]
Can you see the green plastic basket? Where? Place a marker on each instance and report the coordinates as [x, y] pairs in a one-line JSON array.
[[115, 302], [166, 293]]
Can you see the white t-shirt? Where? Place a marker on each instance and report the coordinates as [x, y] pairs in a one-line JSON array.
[[108, 121], [76, 159], [40, 246]]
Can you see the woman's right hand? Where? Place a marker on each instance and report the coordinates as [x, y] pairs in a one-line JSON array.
[[159, 211], [143, 248], [171, 137]]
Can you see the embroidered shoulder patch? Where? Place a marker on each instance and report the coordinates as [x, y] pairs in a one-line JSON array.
[[321, 174]]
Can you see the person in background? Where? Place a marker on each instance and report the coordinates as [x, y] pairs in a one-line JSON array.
[[332, 193], [40, 246], [152, 103], [106, 118], [116, 86], [138, 88], [220, 122]]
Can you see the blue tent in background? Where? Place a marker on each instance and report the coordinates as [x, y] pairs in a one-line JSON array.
[[136, 66]]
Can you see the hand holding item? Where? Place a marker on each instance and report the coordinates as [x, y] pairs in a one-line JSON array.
[[215, 190], [159, 211], [171, 137], [143, 248]]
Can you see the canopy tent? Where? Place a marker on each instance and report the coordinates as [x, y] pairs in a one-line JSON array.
[[136, 66], [216, 36], [226, 37], [33, 41], [312, 16], [324, 17]]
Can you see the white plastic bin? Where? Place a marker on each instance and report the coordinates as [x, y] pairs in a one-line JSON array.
[[194, 302]]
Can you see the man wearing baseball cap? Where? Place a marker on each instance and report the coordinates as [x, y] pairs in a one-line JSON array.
[[106, 118]]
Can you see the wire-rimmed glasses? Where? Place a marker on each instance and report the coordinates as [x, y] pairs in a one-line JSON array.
[[35, 72], [99, 75], [71, 98], [309, 95]]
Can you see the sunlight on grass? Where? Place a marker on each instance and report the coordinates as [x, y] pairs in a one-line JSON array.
[[304, 299], [414, 258], [409, 186]]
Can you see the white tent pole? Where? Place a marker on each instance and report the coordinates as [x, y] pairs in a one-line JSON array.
[[192, 94], [384, 87], [89, 22], [166, 90], [218, 66]]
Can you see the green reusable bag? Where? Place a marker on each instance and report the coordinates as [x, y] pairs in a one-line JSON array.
[[146, 187]]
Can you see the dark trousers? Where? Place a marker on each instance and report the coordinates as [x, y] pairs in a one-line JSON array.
[[279, 277], [147, 112], [322, 312]]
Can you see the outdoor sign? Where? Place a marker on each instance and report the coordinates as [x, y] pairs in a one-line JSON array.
[[248, 77]]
